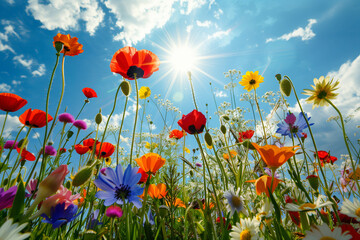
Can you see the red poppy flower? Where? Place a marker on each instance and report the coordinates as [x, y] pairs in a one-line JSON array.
[[246, 135], [223, 222], [144, 176], [295, 216], [80, 149], [26, 155], [350, 230], [63, 150], [177, 134], [90, 143], [326, 158], [89, 93], [34, 118], [127, 62], [107, 149], [10, 102], [71, 45], [193, 123]]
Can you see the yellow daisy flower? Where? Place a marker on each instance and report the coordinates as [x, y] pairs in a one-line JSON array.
[[323, 89], [144, 92], [251, 80], [187, 150]]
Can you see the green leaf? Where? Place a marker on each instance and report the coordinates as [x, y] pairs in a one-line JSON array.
[[19, 202]]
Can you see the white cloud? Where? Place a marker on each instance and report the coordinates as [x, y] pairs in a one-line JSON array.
[[4, 47], [36, 135], [5, 87], [26, 63], [327, 134], [14, 82], [66, 14], [218, 13], [115, 121], [11, 2], [136, 22], [4, 36], [206, 23], [189, 28], [12, 124], [219, 34], [220, 94], [190, 5], [40, 71], [23, 76], [305, 34]]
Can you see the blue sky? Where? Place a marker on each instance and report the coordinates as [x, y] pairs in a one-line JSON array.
[[303, 39]]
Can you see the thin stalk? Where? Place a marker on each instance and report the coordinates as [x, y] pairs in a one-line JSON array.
[[136, 115], [261, 119], [122, 123], [192, 91], [2, 130]]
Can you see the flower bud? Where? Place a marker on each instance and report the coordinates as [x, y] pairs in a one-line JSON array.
[[223, 129], [23, 143], [285, 87], [82, 176], [125, 88], [313, 181], [98, 118], [59, 46], [163, 211], [225, 118], [69, 134], [278, 77], [208, 139]]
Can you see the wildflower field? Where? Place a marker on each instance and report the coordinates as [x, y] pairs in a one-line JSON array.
[[237, 178]]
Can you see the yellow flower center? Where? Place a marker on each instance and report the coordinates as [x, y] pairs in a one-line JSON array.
[[307, 205], [236, 201], [245, 235], [327, 238], [252, 82], [357, 212], [322, 94]]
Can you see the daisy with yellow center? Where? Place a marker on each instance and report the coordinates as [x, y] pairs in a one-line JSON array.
[[236, 203], [247, 229], [292, 207], [251, 80], [351, 209], [323, 89], [323, 232]]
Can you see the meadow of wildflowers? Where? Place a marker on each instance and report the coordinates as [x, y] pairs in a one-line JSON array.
[[245, 179]]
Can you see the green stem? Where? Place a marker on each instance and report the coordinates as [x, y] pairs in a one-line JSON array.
[[2, 130], [122, 123], [261, 119], [136, 115], [192, 91]]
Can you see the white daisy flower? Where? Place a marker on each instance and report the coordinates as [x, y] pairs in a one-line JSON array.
[[351, 209], [324, 232], [265, 211], [306, 206], [11, 231], [236, 202], [246, 229]]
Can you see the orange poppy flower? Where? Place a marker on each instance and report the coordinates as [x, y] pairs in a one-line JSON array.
[[34, 118], [263, 183], [233, 154], [71, 45], [157, 191], [274, 156], [26, 155], [127, 62], [89, 93], [10, 102], [177, 134], [80, 149], [107, 149], [150, 162], [177, 203]]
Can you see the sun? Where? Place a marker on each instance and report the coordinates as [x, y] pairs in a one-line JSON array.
[[182, 58]]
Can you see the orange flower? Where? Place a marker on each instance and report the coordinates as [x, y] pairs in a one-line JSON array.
[[177, 134], [177, 203], [10, 102], [157, 191], [263, 183], [232, 152], [150, 162], [34, 118], [274, 156], [71, 45], [107, 149], [26, 155], [128, 61]]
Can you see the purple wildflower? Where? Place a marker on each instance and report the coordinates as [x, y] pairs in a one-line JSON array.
[[292, 126], [103, 171], [50, 150], [66, 118], [11, 144], [7, 197], [198, 164], [80, 124], [31, 188], [268, 172], [114, 211]]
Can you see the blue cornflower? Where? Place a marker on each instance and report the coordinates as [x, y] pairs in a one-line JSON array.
[[118, 186], [60, 215], [292, 126]]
